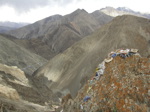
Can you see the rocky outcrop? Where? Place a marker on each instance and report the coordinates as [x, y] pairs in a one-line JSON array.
[[22, 93], [13, 75], [14, 71], [123, 87]]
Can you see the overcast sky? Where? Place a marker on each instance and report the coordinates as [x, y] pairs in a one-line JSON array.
[[34, 10]]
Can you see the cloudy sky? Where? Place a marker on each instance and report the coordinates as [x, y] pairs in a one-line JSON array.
[[34, 10]]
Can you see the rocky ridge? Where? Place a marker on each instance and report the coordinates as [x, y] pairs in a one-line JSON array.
[[123, 87]]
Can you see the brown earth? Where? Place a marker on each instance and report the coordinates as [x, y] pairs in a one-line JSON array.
[[124, 87]]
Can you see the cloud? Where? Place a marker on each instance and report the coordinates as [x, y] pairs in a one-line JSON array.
[[33, 10], [24, 5], [66, 2]]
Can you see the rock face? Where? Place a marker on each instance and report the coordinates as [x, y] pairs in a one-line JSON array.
[[123, 87], [69, 70], [54, 34]]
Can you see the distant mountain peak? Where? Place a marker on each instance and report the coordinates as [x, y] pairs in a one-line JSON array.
[[123, 8], [80, 11], [123, 11], [12, 24], [108, 8]]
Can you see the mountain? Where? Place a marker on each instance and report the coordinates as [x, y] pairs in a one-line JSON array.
[[123, 11], [14, 55], [122, 87], [12, 24], [146, 15], [101, 17], [8, 26], [56, 33], [19, 91], [4, 29], [69, 70]]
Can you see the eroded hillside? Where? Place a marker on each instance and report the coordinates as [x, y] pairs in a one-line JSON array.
[[21, 93]]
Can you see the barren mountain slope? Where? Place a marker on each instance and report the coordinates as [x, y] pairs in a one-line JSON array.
[[101, 17], [14, 55], [56, 33], [68, 70]]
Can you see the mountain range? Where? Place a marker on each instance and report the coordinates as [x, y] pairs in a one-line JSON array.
[[123, 11], [7, 26], [42, 62], [40, 36], [56, 33], [4, 29], [13, 24], [68, 70]]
